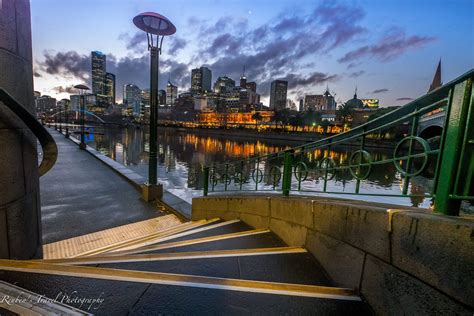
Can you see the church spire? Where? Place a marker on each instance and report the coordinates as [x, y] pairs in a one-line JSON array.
[[437, 78], [355, 93]]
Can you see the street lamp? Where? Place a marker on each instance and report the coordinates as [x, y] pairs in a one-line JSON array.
[[66, 109], [82, 88], [155, 25], [60, 119]]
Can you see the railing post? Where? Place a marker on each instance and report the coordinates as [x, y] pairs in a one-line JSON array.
[[457, 134], [206, 180], [287, 170]]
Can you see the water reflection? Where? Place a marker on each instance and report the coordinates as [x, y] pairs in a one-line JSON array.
[[181, 157]]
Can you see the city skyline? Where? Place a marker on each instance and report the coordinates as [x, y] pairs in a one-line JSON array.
[[338, 44]]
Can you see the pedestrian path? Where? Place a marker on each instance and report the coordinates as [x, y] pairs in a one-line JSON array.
[[80, 195]]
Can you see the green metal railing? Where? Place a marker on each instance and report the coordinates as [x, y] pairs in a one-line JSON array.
[[447, 161]]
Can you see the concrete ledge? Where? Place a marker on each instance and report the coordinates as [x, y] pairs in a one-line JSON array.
[[379, 248]]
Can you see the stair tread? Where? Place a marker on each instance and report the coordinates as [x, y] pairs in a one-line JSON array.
[[143, 299], [297, 268]]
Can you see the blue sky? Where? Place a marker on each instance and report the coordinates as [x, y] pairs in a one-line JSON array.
[[388, 49]]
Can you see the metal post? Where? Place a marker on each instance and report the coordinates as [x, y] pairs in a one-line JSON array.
[[67, 121], [287, 169], [206, 180], [60, 122], [453, 156], [152, 160], [82, 145]]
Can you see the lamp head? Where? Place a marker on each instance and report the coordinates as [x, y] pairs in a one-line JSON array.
[[154, 23]]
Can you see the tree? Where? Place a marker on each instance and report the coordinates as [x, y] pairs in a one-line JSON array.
[[345, 113], [282, 117], [311, 118], [257, 116]]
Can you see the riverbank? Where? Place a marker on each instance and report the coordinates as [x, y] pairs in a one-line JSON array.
[[294, 138]]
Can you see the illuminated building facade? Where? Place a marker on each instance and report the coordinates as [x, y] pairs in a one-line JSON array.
[[201, 80], [98, 72], [278, 92], [171, 94], [132, 98], [110, 87], [223, 84]]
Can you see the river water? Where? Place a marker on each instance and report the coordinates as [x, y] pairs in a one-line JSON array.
[[181, 157]]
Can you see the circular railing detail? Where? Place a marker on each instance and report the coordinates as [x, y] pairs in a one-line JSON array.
[[275, 175], [424, 155], [327, 165], [301, 171], [359, 161], [257, 175]]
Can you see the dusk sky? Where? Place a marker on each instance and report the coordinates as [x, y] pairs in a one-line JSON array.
[[388, 49]]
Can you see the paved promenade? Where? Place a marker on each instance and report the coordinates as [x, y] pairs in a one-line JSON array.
[[81, 195]]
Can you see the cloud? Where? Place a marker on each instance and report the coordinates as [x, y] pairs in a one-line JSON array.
[[277, 48], [67, 89], [394, 44], [73, 65], [379, 91], [356, 74], [404, 99], [68, 64]]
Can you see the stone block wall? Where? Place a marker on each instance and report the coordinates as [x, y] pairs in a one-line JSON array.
[[402, 260]]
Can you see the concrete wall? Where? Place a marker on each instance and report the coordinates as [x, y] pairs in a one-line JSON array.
[[20, 231], [403, 262]]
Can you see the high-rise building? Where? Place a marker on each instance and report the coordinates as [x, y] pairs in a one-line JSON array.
[[301, 107], [110, 87], [75, 102], [98, 72], [45, 104], [132, 98], [162, 97], [201, 80], [252, 86], [171, 93], [278, 93], [223, 84]]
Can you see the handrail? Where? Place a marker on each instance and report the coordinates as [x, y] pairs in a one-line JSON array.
[[50, 149], [292, 169]]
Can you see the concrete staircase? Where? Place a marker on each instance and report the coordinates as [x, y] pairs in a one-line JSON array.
[[202, 267]]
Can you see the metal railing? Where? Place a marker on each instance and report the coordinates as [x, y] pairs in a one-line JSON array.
[[48, 145], [447, 161]]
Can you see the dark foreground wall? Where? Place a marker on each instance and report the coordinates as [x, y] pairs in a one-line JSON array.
[[20, 231], [404, 261]]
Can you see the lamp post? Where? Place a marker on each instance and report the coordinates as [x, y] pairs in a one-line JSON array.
[[60, 119], [156, 27], [82, 88], [66, 109]]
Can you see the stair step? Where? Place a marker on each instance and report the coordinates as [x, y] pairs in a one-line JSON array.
[[183, 243], [142, 239], [82, 244], [209, 228], [132, 298], [182, 280], [177, 256]]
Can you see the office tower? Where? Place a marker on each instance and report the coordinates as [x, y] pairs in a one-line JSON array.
[[132, 98], [98, 72], [45, 104], [110, 87], [223, 84], [201, 80], [162, 97], [171, 93], [278, 93]]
